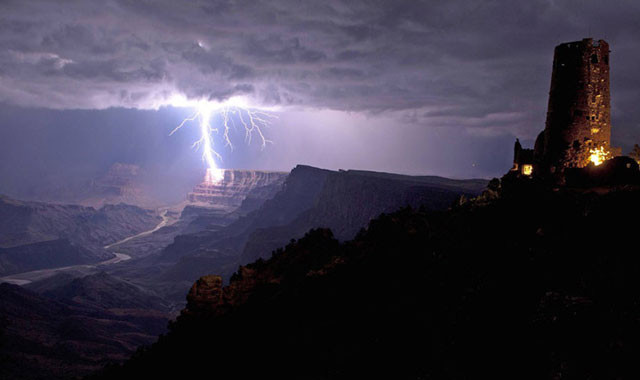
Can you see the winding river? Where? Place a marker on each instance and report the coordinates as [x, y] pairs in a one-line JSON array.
[[36, 275]]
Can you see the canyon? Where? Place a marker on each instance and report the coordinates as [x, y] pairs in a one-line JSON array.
[[125, 271]]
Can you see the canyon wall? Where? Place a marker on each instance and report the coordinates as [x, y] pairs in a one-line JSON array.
[[234, 188]]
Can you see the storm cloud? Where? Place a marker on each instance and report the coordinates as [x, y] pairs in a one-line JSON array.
[[418, 87], [444, 63]]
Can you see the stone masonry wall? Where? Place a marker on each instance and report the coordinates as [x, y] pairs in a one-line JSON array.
[[578, 116]]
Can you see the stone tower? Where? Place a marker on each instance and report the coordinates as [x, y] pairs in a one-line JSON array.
[[578, 126]]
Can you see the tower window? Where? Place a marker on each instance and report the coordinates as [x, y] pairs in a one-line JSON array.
[[594, 58]]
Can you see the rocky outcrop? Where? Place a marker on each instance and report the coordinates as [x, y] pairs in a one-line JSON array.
[[205, 296], [229, 192]]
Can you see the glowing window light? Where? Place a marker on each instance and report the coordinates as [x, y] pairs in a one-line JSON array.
[[598, 155]]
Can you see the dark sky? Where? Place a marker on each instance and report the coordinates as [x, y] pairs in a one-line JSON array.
[[420, 87]]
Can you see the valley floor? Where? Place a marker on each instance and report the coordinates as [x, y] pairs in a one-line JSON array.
[[37, 275]]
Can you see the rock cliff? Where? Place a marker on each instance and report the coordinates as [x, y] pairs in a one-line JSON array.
[[343, 201], [231, 191], [122, 183], [346, 201]]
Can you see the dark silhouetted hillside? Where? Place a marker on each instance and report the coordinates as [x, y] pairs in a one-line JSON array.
[[104, 291], [535, 284], [42, 338]]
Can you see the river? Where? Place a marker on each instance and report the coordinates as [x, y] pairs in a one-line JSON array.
[[36, 275]]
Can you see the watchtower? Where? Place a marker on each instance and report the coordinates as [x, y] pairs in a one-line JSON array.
[[578, 126]]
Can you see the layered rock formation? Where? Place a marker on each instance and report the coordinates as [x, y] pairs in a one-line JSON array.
[[122, 183], [229, 192], [344, 201], [119, 180]]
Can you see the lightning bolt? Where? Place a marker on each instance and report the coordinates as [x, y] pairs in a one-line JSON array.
[[232, 115]]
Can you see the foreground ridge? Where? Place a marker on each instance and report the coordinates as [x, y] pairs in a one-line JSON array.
[[465, 293]]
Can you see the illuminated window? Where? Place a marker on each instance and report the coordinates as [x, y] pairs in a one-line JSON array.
[[598, 155], [527, 169]]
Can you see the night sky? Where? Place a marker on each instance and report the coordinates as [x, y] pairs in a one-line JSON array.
[[417, 87]]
